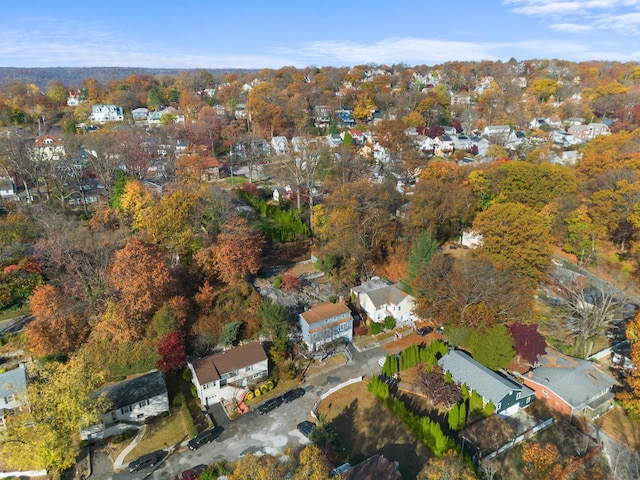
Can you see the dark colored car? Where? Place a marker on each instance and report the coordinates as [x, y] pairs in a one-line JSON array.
[[269, 405], [145, 461], [305, 427], [192, 473], [425, 331], [291, 395], [205, 437]]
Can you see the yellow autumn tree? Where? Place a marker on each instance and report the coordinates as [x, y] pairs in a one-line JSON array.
[[61, 403]]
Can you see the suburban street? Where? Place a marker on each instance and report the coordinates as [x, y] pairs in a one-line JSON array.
[[253, 433]]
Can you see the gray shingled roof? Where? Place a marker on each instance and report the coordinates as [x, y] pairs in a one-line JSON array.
[[13, 382], [134, 390], [491, 385], [574, 380], [381, 292]]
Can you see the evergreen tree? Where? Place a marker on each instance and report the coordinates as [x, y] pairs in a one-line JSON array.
[[422, 251], [492, 347]]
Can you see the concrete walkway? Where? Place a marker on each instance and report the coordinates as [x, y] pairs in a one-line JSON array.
[[119, 463]]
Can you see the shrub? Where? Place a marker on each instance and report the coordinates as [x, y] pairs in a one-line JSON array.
[[361, 330], [122, 436], [193, 390], [264, 388], [250, 395], [389, 322], [179, 400], [188, 422], [375, 328], [257, 392], [291, 283], [277, 282], [187, 375]]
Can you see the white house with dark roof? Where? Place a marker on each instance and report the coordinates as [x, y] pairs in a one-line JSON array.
[[324, 323], [101, 113], [507, 395], [380, 298], [13, 385], [571, 385], [132, 401], [226, 375]]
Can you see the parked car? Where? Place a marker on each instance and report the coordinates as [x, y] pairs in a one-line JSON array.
[[291, 395], [269, 405], [205, 437], [305, 427], [422, 331], [145, 461], [192, 473]]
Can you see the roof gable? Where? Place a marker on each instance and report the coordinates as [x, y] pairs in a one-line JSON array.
[[489, 384], [209, 369], [324, 311], [574, 380], [13, 382], [134, 390]]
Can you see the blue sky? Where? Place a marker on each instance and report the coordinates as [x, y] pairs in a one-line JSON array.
[[276, 33]]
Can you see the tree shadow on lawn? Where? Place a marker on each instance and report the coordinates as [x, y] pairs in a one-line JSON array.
[[365, 430]]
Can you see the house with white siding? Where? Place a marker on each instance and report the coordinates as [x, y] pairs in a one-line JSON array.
[[379, 298], [101, 113], [227, 375], [132, 402], [13, 385]]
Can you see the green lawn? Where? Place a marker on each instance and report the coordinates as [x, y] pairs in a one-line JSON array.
[[16, 312], [163, 433]]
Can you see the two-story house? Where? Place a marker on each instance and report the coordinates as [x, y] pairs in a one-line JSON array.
[[507, 395], [380, 298], [324, 323], [13, 385], [101, 113], [280, 145], [131, 402], [226, 375], [47, 148]]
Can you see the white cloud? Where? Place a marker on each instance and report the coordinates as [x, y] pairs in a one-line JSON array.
[[570, 27]]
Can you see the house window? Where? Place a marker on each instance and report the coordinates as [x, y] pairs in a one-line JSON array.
[[125, 410], [143, 403], [499, 406], [249, 368], [518, 396]]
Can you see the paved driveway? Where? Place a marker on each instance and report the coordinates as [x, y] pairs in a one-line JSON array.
[[261, 434]]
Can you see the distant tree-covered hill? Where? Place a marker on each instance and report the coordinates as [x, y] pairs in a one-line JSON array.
[[73, 76]]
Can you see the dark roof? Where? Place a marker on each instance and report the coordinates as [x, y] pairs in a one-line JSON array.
[[135, 389], [376, 467], [209, 369]]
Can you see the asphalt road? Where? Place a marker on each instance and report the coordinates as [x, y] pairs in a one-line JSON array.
[[257, 434], [14, 325]]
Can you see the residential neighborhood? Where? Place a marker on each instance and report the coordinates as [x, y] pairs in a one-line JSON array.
[[370, 271]]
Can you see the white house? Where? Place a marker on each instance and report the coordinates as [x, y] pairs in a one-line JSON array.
[[380, 298], [13, 384], [471, 239], [226, 375], [280, 145], [7, 189], [324, 323], [47, 148], [132, 402], [101, 113]]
